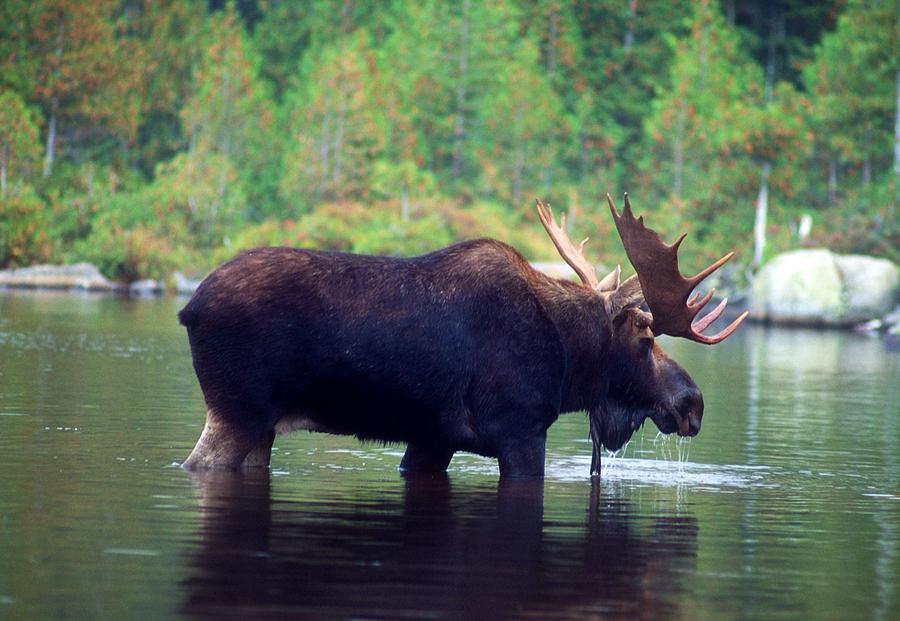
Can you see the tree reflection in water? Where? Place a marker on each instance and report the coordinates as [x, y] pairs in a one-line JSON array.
[[436, 552]]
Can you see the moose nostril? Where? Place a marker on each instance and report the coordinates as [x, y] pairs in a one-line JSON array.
[[694, 422], [690, 403]]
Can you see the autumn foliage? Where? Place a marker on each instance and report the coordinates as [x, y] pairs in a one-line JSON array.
[[153, 135]]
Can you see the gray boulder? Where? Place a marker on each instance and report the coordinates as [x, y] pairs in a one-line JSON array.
[[560, 269], [78, 276], [184, 285], [871, 285], [148, 287], [818, 287]]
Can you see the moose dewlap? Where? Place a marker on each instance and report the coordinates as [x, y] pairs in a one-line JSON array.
[[464, 349]]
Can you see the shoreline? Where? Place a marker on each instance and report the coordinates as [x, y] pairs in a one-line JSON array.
[[85, 279]]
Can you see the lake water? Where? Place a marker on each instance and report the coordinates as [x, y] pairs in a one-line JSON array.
[[786, 506]]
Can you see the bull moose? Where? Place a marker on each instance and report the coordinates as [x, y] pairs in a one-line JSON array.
[[467, 348]]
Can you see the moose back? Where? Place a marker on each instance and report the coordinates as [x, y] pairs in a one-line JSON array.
[[464, 349]]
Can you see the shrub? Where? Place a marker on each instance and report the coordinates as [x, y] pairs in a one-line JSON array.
[[24, 225]]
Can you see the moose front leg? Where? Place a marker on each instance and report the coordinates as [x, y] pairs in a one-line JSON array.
[[523, 458], [595, 443], [224, 445]]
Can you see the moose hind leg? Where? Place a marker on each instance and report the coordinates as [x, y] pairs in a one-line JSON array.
[[260, 455], [419, 459], [225, 446]]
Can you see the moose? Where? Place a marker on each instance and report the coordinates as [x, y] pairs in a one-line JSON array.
[[467, 348]]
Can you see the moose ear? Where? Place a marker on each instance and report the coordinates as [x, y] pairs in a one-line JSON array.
[[611, 281], [626, 295]]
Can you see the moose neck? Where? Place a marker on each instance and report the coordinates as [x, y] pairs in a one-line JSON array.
[[581, 320]]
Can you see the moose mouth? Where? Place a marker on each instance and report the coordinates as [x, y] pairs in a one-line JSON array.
[[621, 421], [685, 425]]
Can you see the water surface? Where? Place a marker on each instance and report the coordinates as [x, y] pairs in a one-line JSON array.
[[787, 505]]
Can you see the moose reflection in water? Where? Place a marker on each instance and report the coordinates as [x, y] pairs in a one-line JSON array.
[[437, 551]]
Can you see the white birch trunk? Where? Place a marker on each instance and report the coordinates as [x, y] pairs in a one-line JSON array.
[[404, 206], [338, 142], [4, 159], [832, 179], [51, 139], [678, 150], [762, 208], [323, 149], [629, 32], [54, 105], [897, 130]]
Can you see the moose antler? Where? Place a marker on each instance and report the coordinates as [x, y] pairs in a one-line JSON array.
[[665, 290], [567, 250]]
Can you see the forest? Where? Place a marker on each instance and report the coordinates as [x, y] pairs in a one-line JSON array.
[[146, 136]]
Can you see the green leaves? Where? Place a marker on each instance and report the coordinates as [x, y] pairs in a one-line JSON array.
[[369, 124]]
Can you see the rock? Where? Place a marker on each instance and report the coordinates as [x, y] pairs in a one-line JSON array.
[[184, 285], [892, 319], [798, 287], [78, 276], [870, 285], [872, 326], [817, 287], [892, 338], [146, 287], [561, 269]]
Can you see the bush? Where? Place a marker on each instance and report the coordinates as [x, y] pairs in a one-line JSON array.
[[133, 254], [24, 226], [868, 224], [348, 227]]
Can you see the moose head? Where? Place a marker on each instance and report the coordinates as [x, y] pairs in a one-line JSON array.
[[642, 381]]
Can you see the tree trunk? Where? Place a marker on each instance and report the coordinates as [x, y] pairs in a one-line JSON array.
[[832, 180], [678, 150], [573, 210], [776, 36], [730, 12], [4, 158], [404, 206], [323, 149], [553, 28], [227, 127], [459, 125], [517, 175], [897, 132], [339, 143], [629, 31], [704, 48], [54, 103], [867, 158], [762, 207], [51, 138]]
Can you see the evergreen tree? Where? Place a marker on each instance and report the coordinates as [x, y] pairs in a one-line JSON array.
[[853, 82], [74, 51], [19, 140], [333, 136], [716, 139], [229, 116], [160, 43]]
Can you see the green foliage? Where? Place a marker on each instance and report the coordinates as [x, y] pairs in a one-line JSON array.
[[348, 227], [203, 191], [333, 137], [174, 136], [19, 143], [870, 224], [24, 224], [853, 84]]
